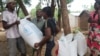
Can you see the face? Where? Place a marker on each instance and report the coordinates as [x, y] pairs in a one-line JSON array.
[[12, 5], [44, 15], [96, 6], [39, 13]]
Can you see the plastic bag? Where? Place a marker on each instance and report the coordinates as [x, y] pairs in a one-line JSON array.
[[81, 43], [29, 32], [67, 47]]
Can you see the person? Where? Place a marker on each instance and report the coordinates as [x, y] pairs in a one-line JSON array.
[[38, 21], [10, 24], [93, 40], [49, 31]]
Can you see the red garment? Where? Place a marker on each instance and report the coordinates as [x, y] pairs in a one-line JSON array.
[[57, 52], [93, 40]]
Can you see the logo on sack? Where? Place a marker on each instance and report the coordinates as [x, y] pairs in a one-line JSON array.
[[27, 31]]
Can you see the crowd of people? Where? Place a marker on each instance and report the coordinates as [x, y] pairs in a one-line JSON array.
[[46, 23]]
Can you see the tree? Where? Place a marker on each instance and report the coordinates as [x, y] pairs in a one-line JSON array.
[[65, 18], [59, 14], [38, 6], [53, 7], [91, 8], [1, 5], [69, 1], [22, 6]]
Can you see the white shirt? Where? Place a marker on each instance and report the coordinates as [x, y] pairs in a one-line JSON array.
[[10, 18]]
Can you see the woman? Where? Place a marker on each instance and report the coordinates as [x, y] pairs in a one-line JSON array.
[[94, 31], [49, 31]]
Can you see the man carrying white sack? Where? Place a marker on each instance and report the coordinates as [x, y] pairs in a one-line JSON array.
[[10, 24], [38, 21]]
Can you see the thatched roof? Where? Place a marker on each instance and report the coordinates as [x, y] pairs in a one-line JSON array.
[[84, 12]]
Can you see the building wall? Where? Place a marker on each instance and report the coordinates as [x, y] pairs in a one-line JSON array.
[[73, 21]]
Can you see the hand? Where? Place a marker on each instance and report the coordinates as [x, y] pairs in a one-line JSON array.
[[29, 19], [36, 45], [17, 22], [38, 52]]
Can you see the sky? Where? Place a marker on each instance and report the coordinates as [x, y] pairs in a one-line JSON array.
[[76, 5], [80, 5]]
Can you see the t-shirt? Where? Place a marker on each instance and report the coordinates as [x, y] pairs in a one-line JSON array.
[[10, 18], [39, 23], [51, 24]]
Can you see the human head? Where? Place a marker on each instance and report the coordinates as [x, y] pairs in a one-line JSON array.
[[39, 13], [96, 6], [11, 4], [47, 12]]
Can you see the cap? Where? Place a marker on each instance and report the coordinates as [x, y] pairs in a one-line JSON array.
[[9, 1]]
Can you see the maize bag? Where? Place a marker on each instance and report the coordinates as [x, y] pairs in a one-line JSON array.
[[29, 32], [81, 43], [67, 47]]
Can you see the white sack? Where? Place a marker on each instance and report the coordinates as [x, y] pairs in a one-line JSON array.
[[81, 44], [67, 47], [29, 32]]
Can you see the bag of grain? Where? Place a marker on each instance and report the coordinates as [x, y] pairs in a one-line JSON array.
[[29, 32]]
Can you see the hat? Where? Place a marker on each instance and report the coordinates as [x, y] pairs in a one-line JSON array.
[[9, 1]]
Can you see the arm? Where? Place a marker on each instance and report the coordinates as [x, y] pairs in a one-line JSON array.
[[5, 21], [29, 19], [45, 39], [7, 26], [47, 36]]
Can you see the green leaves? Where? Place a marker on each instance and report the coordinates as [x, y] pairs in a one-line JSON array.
[[27, 2], [69, 1]]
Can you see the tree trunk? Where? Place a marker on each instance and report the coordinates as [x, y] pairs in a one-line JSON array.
[[53, 7], [22, 7], [18, 11], [59, 18], [1, 3], [59, 14], [65, 18]]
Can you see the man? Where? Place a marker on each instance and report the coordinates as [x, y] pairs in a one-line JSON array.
[[10, 24], [38, 21]]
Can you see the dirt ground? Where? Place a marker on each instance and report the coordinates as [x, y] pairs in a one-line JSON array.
[[4, 50]]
